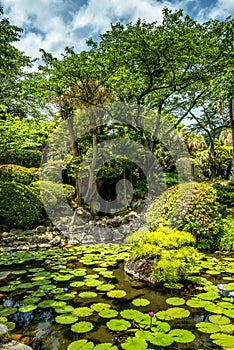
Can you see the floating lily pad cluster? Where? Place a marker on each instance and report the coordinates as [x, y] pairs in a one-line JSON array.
[[79, 286]]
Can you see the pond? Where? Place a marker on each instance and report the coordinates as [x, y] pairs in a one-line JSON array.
[[80, 298]]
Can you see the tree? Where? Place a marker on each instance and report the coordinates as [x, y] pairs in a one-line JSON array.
[[13, 94]]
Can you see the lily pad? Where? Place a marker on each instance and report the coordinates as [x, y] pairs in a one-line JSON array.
[[140, 302], [207, 327], [105, 287], [175, 301], [196, 303], [224, 340], [131, 314], [214, 308], [182, 335], [27, 308], [66, 319], [160, 326], [116, 293], [65, 296], [108, 313], [46, 303], [81, 344], [162, 315], [82, 327], [88, 295], [82, 311], [133, 343], [100, 306], [93, 283], [64, 309], [77, 284], [118, 325], [160, 339], [219, 319], [105, 346], [31, 300], [177, 312], [8, 311]]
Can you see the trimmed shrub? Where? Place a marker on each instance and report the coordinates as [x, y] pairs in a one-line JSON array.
[[169, 251], [20, 207], [55, 196], [17, 173], [225, 193], [189, 207], [25, 157], [226, 241]]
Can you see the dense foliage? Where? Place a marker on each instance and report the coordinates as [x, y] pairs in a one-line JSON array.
[[20, 207], [190, 207], [17, 173]]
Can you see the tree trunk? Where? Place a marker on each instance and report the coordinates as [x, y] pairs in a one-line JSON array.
[[75, 152], [93, 131], [232, 127]]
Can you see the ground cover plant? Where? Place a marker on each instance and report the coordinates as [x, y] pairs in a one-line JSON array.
[[79, 298]]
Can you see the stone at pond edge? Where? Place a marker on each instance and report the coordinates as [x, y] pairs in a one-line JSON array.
[[3, 330], [13, 345]]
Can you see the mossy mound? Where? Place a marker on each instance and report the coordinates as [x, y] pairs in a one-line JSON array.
[[20, 207]]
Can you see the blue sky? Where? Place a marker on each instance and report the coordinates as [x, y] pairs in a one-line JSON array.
[[55, 24]]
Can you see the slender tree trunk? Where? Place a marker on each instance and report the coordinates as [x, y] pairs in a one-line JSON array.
[[232, 127], [93, 131], [75, 152]]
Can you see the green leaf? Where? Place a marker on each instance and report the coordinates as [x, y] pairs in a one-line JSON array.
[[82, 327]]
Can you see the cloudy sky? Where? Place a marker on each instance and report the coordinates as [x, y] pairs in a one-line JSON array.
[[55, 24]]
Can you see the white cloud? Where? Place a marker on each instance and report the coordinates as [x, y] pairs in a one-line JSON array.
[[55, 24]]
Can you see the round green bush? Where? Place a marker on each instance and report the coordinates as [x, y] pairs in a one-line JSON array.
[[17, 173], [20, 207], [55, 196], [191, 207], [25, 157]]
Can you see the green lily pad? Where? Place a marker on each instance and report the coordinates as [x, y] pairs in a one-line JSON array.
[[25, 285], [19, 272], [182, 335], [82, 327], [82, 311], [160, 339], [88, 295], [229, 313], [93, 283], [131, 314], [140, 302], [27, 308], [105, 287], [225, 305], [100, 306], [66, 319], [79, 272], [65, 296], [46, 303], [77, 284], [81, 345], [10, 325], [31, 300], [214, 308], [8, 311], [175, 301], [116, 293], [224, 340], [227, 328], [9, 288], [64, 309], [133, 343], [208, 296], [62, 278], [172, 285], [219, 319], [108, 313], [160, 326], [92, 276], [118, 325], [196, 303], [162, 315], [207, 327], [105, 346], [177, 312]]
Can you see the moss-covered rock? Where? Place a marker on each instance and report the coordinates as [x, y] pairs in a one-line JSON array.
[[20, 207]]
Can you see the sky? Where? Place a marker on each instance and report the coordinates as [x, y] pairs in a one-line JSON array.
[[54, 24]]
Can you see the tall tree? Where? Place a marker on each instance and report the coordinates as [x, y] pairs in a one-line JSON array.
[[13, 96]]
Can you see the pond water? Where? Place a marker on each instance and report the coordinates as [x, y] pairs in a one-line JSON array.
[[80, 298]]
